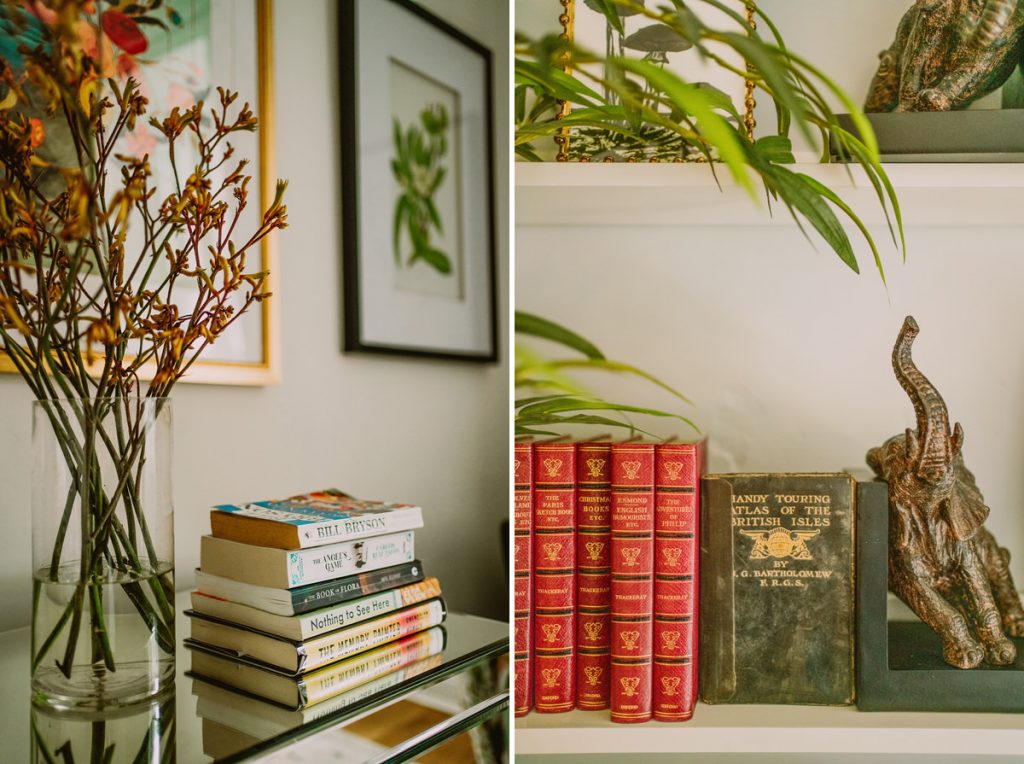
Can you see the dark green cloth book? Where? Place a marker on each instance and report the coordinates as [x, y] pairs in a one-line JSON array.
[[777, 588]]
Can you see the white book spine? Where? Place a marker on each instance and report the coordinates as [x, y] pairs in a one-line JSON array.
[[333, 531], [310, 566]]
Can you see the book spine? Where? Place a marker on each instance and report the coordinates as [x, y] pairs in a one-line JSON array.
[[593, 574], [523, 476], [321, 595], [331, 619], [348, 642], [332, 680], [632, 512], [309, 566], [554, 579], [332, 531], [674, 693]]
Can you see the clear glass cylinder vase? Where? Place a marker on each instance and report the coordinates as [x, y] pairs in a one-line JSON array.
[[103, 552]]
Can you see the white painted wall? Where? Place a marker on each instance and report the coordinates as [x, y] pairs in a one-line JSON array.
[[424, 431]]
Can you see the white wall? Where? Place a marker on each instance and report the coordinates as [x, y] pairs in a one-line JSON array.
[[424, 431]]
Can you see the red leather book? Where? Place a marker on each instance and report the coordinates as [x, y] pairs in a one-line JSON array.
[[593, 574], [554, 576], [632, 581], [522, 463], [678, 467]]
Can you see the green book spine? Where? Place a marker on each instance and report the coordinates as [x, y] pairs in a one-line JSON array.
[[777, 588]]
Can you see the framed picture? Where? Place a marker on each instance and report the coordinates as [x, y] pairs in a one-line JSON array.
[[583, 22], [417, 185], [179, 53]]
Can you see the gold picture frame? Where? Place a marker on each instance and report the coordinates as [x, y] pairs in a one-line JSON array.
[[266, 369], [567, 22]]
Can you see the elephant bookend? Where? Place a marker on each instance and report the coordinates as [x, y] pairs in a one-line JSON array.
[[921, 535]]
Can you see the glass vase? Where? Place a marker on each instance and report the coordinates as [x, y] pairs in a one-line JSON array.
[[103, 552]]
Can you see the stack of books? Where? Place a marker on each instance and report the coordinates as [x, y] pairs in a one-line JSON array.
[[606, 550], [304, 599]]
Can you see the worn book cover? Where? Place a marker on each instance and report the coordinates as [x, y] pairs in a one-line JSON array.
[[777, 588]]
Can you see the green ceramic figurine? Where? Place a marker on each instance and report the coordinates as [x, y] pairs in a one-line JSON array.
[[947, 54]]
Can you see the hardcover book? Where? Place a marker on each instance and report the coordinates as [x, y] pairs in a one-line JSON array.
[[777, 599], [677, 467], [632, 581], [317, 686], [554, 579], [311, 519], [303, 657], [523, 476], [286, 569], [316, 622], [303, 599], [593, 574]]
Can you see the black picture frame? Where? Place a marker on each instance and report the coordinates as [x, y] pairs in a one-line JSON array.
[[358, 306]]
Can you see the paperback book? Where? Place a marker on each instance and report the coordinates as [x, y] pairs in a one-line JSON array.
[[302, 657], [285, 569], [303, 599], [311, 519], [316, 622]]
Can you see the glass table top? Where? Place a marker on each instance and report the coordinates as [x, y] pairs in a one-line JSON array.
[[455, 709]]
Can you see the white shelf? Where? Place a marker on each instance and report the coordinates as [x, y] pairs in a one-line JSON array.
[[775, 729], [551, 193]]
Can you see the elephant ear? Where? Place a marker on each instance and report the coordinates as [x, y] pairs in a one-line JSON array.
[[966, 509]]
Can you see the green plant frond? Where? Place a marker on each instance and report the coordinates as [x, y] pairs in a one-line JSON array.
[[570, 403], [618, 366], [534, 326]]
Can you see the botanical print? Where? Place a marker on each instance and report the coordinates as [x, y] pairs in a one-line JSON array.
[[420, 151], [426, 218]]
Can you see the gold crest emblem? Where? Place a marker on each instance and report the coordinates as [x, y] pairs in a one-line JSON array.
[[670, 684], [552, 466], [780, 543], [593, 630], [632, 469], [629, 685], [630, 554], [674, 470], [550, 676], [594, 466], [629, 639], [551, 631], [669, 639], [551, 550], [672, 555], [515, 465], [593, 674], [594, 549]]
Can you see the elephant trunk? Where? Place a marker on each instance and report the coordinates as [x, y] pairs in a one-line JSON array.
[[995, 17], [934, 446]]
